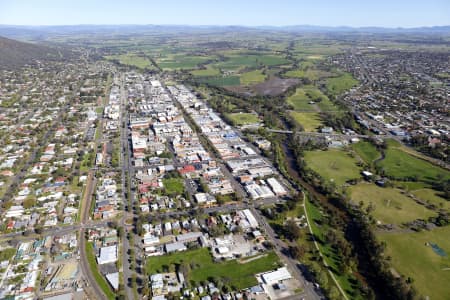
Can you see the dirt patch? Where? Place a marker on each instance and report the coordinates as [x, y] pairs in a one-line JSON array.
[[274, 86]]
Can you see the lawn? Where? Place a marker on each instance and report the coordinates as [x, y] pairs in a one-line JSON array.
[[243, 118], [203, 267], [308, 73], [309, 120], [401, 165], [391, 206], [333, 165], [432, 197], [173, 185], [101, 281], [252, 77], [340, 84], [367, 151], [413, 257]]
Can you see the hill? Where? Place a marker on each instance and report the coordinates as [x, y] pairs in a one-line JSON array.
[[15, 54]]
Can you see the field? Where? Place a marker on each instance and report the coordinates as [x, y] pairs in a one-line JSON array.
[[238, 62], [309, 121], [401, 165], [366, 151], [174, 62], [391, 206], [302, 96], [132, 60], [252, 77], [243, 118], [206, 72], [223, 81], [173, 185], [413, 257], [340, 84], [333, 165], [432, 197], [203, 267]]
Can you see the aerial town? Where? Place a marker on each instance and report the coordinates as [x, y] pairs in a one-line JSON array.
[[224, 162]]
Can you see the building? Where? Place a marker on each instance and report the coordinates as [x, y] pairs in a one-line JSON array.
[[276, 276], [107, 255]]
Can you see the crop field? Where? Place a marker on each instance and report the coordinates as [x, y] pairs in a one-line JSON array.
[[340, 84], [412, 255], [366, 151], [132, 60], [391, 206], [203, 267], [333, 165], [402, 165], [243, 118], [309, 120], [252, 77]]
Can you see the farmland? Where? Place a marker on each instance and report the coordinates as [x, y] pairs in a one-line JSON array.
[[252, 77], [132, 60]]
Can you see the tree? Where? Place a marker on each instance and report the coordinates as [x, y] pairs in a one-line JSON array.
[[297, 252], [292, 230]]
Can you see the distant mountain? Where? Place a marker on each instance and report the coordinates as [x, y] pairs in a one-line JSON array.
[[42, 32], [15, 54]]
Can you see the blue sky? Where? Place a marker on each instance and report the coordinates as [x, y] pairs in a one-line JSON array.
[[387, 13]]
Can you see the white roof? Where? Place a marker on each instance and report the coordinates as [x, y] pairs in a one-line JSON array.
[[107, 255], [276, 276], [113, 279]]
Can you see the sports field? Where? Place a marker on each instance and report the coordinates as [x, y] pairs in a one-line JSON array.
[[391, 206], [309, 120], [243, 118], [333, 165], [412, 255]]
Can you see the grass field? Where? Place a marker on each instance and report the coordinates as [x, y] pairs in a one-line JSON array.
[[243, 118], [209, 71], [309, 120], [132, 60], [101, 281], [391, 206], [402, 165], [203, 267], [308, 73], [412, 257], [302, 96], [238, 62], [173, 185], [173, 62], [252, 77], [432, 197], [223, 81], [340, 84], [366, 151], [334, 165]]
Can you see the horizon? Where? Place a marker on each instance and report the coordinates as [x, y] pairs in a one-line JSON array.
[[252, 13]]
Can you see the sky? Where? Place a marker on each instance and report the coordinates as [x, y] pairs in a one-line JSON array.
[[356, 13]]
